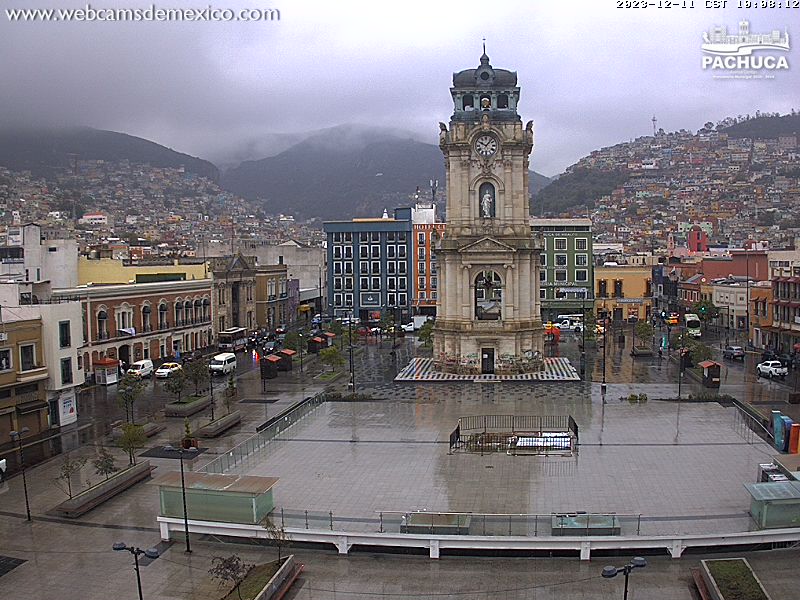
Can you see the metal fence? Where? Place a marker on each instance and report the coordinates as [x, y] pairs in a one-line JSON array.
[[266, 435], [515, 423]]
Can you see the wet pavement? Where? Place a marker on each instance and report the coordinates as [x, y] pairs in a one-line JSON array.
[[681, 463]]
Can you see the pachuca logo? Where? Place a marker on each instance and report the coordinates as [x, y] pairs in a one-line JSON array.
[[736, 51]]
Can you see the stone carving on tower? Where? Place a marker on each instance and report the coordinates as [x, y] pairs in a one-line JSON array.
[[488, 311]]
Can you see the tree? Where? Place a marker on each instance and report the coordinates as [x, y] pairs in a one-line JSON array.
[[589, 326], [176, 384], [706, 310], [68, 468], [132, 439], [426, 334], [129, 389], [104, 463], [276, 535], [292, 341], [196, 372], [229, 570], [699, 352], [643, 330], [332, 357]]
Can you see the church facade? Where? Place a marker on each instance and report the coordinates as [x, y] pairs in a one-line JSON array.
[[489, 309]]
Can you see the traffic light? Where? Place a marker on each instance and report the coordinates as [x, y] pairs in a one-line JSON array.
[[703, 310], [663, 314]]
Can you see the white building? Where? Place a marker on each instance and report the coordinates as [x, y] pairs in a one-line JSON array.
[[41, 258], [62, 337], [97, 219]]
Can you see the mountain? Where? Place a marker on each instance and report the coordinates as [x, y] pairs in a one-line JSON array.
[[343, 172], [42, 151]]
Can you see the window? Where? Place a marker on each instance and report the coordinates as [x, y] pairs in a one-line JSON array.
[[542, 293], [421, 283], [581, 275], [581, 260], [27, 357], [348, 268], [376, 251], [376, 283], [434, 282], [421, 237], [337, 283], [618, 289], [421, 252], [348, 299], [542, 275], [337, 299], [348, 252], [581, 244], [363, 266], [560, 244], [401, 252], [422, 296], [364, 283], [421, 268], [66, 371], [363, 236], [337, 268], [5, 360], [337, 252], [561, 260], [64, 334], [561, 275], [363, 251], [391, 268], [401, 268], [391, 251], [543, 260], [337, 237], [402, 299], [376, 267], [602, 288], [376, 237], [391, 283], [348, 236], [348, 283], [401, 284]]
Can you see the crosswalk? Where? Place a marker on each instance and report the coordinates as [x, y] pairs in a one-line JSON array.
[[422, 369]]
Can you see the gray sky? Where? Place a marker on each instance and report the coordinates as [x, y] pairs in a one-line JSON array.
[[591, 74]]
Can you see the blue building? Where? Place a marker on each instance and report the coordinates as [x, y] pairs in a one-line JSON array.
[[370, 266]]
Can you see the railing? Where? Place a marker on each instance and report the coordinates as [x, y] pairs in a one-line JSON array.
[[265, 435], [513, 423]]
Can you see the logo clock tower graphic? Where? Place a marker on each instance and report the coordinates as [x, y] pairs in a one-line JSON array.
[[488, 313]]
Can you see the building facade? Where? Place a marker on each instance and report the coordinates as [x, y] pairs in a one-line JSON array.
[[488, 315], [144, 320], [272, 297], [234, 297], [370, 267], [567, 269], [623, 292]]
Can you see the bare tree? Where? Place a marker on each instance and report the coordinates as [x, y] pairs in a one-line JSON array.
[[128, 391], [104, 463], [231, 569], [276, 535], [68, 468]]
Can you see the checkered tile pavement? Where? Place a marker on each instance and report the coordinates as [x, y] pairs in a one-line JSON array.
[[555, 369]]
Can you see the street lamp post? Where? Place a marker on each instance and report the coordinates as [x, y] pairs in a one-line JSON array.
[[149, 553], [300, 349], [16, 436], [181, 452], [636, 563], [350, 340]]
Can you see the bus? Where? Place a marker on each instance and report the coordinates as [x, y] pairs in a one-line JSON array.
[[692, 325], [232, 339]]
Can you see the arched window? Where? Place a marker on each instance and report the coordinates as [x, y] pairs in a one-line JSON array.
[[198, 310], [502, 101], [468, 102], [187, 312], [486, 200], [206, 309], [162, 315], [147, 324], [488, 296], [102, 325], [178, 313]]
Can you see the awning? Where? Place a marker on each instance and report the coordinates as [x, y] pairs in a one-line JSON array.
[[32, 406], [329, 334], [288, 352], [274, 358], [319, 340], [707, 363]]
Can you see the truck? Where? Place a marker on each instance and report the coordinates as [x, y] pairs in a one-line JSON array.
[[692, 325], [420, 320]]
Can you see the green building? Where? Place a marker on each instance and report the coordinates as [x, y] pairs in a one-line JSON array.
[[566, 272]]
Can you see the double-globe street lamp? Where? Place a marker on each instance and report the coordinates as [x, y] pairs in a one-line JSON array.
[[137, 552], [16, 436], [181, 451], [636, 563]]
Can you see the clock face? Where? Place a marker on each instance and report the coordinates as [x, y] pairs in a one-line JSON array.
[[486, 145]]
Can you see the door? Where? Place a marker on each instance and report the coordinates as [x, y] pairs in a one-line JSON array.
[[487, 361], [124, 353]]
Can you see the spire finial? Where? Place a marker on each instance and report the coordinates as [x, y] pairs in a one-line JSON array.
[[484, 45]]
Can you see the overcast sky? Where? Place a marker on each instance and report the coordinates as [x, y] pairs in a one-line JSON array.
[[591, 74]]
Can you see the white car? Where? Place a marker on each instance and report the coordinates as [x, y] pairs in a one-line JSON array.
[[3, 468], [771, 368], [167, 370], [408, 327]]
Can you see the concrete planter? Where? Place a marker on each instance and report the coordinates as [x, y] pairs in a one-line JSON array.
[[642, 351], [282, 580], [220, 425], [86, 500], [150, 429], [711, 583], [184, 409]]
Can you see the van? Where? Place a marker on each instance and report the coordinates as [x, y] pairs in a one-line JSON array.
[[141, 368], [223, 364]]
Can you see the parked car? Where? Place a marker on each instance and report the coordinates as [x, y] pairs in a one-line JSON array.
[[771, 369], [408, 327], [168, 369], [141, 368], [733, 352], [785, 359]]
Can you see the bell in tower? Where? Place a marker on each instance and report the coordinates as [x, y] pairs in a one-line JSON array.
[[488, 312]]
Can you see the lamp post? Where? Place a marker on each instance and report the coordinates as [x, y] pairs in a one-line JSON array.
[[149, 553], [181, 452], [350, 347], [610, 572], [300, 349], [16, 436]]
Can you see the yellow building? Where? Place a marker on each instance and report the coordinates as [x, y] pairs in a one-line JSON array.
[[106, 271], [624, 292]]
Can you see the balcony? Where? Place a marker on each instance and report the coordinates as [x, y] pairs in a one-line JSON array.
[[32, 374]]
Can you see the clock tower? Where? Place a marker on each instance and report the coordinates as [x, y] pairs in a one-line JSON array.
[[488, 311]]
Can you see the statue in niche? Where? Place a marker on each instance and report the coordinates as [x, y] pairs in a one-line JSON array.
[[486, 193]]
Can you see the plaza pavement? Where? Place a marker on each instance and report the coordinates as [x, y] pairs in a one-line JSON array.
[[660, 458]]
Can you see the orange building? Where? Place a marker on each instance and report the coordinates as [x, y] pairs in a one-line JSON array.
[[426, 279]]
